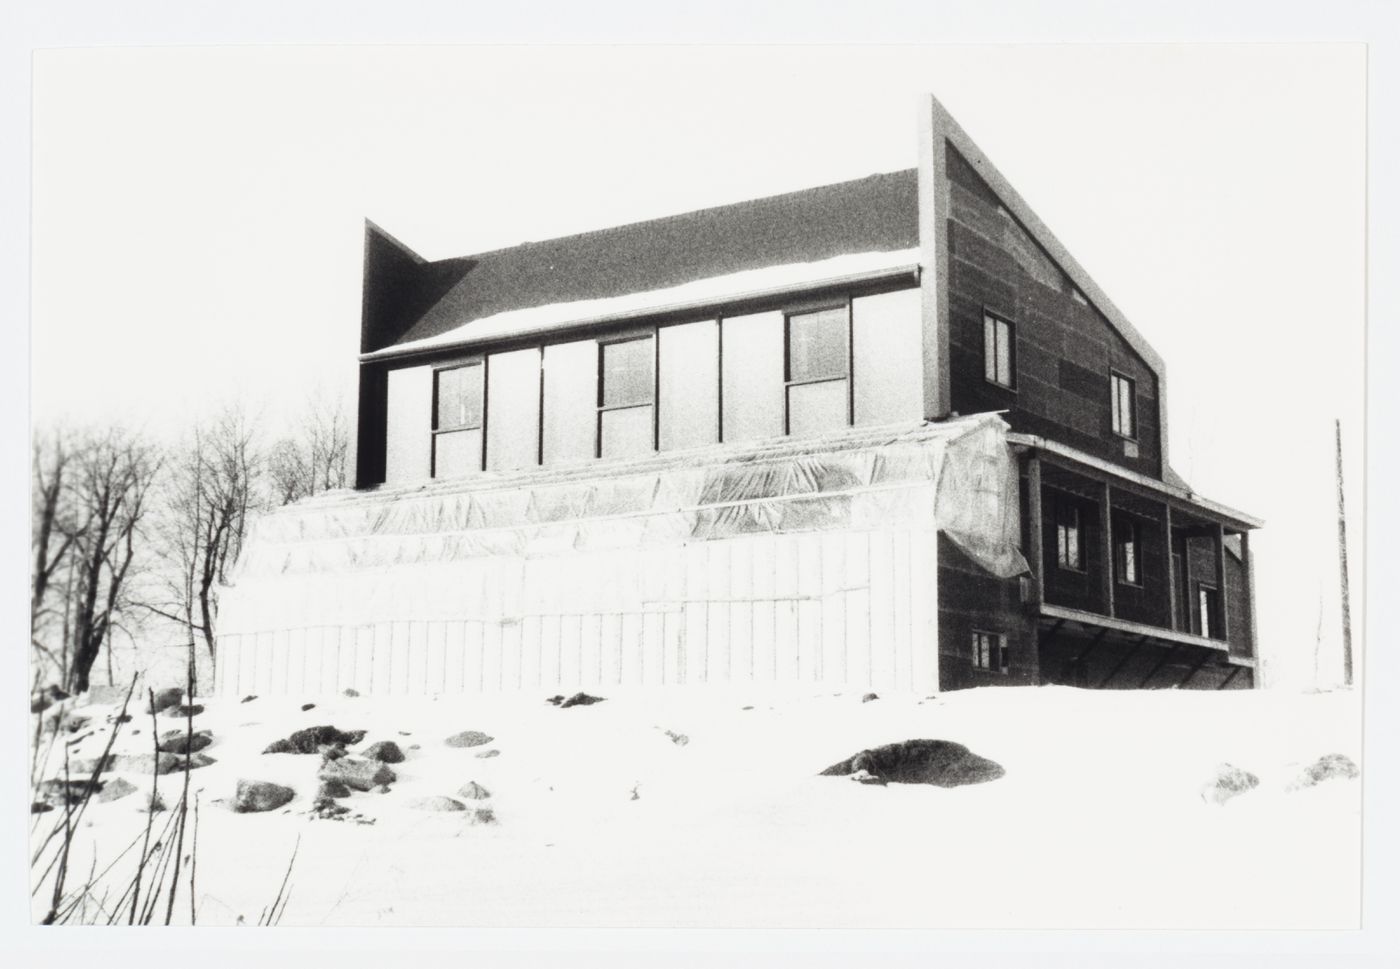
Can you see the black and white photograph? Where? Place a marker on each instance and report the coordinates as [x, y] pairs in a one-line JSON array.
[[686, 486]]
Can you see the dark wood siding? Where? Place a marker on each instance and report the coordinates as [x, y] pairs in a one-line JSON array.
[[1065, 349], [969, 598]]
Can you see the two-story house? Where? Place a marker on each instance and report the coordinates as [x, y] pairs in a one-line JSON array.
[[885, 433]]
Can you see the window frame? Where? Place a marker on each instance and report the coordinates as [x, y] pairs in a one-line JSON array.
[[475, 360], [1079, 567], [993, 320], [1115, 378], [998, 657], [1133, 537], [1206, 616], [809, 308], [613, 339]]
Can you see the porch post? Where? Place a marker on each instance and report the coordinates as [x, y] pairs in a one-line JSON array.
[[1171, 569], [1037, 533], [1106, 548], [1248, 593], [1223, 596]]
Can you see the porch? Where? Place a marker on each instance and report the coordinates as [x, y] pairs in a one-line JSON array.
[[1134, 582]]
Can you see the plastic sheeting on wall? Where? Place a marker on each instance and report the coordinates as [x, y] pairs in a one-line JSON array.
[[522, 555]]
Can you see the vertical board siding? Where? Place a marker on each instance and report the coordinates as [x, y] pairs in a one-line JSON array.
[[852, 609]]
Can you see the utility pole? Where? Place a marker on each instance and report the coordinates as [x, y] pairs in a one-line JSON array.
[[1342, 551]]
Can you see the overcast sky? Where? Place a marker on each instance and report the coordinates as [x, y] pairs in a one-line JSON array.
[[198, 217]]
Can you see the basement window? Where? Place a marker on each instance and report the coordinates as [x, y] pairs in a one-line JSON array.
[[1124, 406], [818, 371], [457, 420], [989, 652], [1069, 537], [999, 351], [627, 397]]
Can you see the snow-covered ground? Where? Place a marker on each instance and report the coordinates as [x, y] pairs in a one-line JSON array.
[[1098, 821]]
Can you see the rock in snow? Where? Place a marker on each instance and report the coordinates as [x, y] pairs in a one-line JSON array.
[[468, 738], [580, 700], [333, 789], [164, 699], [174, 741], [357, 773], [161, 763], [1229, 781], [385, 751], [1325, 768], [309, 741], [257, 796], [869, 696], [486, 754], [437, 803], [473, 791], [937, 762], [116, 788]]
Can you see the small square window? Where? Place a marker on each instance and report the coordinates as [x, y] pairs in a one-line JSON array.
[[1124, 406], [999, 351], [1069, 537], [989, 652]]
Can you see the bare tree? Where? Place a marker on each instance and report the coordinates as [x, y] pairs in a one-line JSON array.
[[110, 476], [313, 458], [213, 489], [51, 538]]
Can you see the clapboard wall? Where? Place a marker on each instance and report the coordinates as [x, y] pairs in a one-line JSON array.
[[845, 609]]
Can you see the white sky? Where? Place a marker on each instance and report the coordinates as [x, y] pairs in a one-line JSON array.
[[198, 213]]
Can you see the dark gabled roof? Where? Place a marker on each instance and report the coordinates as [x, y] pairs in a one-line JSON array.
[[407, 298]]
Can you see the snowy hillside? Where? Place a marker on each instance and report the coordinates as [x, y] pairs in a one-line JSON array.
[[708, 809]]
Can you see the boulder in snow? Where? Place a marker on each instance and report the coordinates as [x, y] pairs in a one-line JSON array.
[[580, 700], [257, 796], [310, 740], [164, 699], [332, 789], [869, 696], [356, 773], [91, 765], [184, 711], [1228, 782], [196, 760], [385, 751], [350, 691], [469, 738], [472, 791], [941, 763], [487, 754], [679, 739], [115, 788], [180, 742], [307, 706], [161, 763], [249, 698], [1325, 768], [436, 803]]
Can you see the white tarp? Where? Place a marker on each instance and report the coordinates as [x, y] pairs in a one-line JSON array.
[[620, 540]]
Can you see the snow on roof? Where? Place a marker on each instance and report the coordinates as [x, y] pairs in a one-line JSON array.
[[749, 283]]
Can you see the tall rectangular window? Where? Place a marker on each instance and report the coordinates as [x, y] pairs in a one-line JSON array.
[[1126, 541], [1069, 537], [989, 652], [457, 417], [999, 350], [513, 396], [818, 371], [1207, 606], [1124, 406], [626, 397]]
